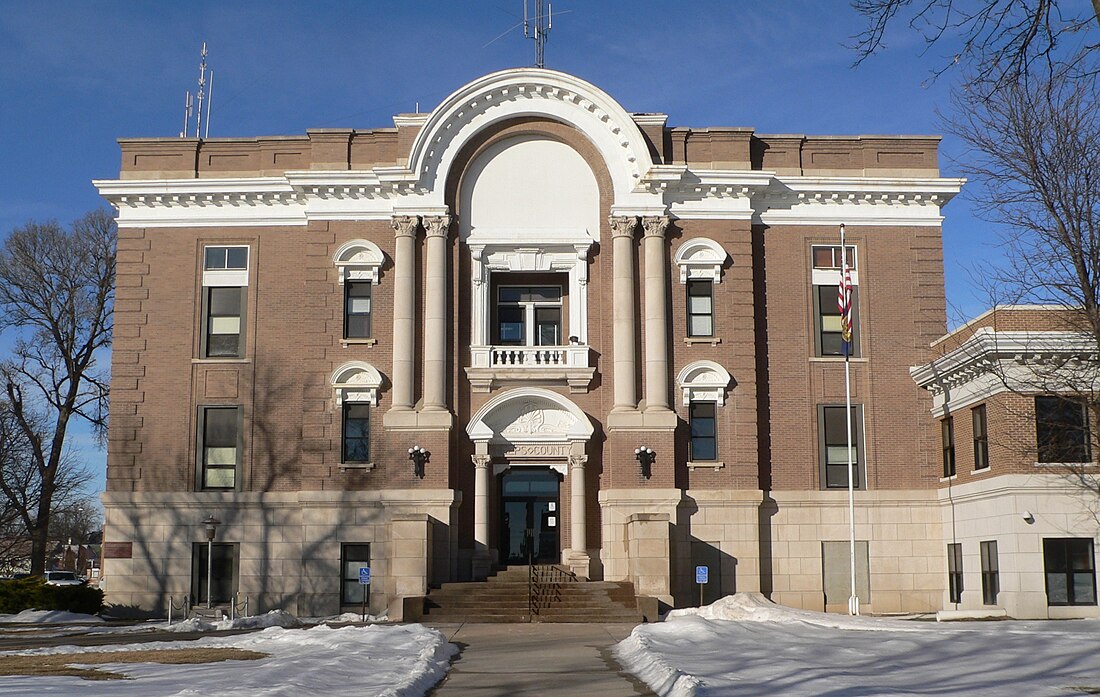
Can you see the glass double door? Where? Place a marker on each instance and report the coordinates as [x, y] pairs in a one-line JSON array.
[[530, 516]]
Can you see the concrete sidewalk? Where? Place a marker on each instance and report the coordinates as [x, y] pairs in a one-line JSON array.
[[525, 660]]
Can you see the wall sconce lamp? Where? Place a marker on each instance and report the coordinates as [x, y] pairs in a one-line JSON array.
[[645, 457], [418, 456], [1028, 517]]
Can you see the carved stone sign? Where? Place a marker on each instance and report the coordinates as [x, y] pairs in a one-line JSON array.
[[542, 450]]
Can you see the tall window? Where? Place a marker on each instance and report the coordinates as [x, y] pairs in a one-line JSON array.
[[703, 421], [955, 571], [981, 437], [834, 446], [947, 432], [1070, 571], [700, 307], [357, 309], [529, 316], [223, 322], [826, 277], [225, 277], [219, 446], [354, 557], [356, 433], [991, 580], [1061, 430]]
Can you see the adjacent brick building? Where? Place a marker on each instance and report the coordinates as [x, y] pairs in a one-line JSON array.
[[1014, 397], [532, 285]]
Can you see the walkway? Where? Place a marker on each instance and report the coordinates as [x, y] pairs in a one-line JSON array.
[[525, 660]]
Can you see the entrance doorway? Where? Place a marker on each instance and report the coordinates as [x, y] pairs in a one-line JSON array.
[[530, 516]]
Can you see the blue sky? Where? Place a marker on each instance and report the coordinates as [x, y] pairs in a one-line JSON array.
[[75, 76]]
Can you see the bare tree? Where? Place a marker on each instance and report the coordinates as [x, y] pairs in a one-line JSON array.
[[997, 41], [57, 295]]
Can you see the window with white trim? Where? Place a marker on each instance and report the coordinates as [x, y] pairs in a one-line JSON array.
[[529, 316], [826, 281], [355, 389], [225, 282], [700, 308]]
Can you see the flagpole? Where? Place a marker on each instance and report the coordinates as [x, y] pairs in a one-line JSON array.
[[846, 337]]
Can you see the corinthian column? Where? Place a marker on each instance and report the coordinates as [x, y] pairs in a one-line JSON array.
[[404, 310], [656, 313], [622, 241], [435, 313], [482, 561], [578, 529]]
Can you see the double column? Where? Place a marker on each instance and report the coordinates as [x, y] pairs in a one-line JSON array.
[[656, 317], [435, 320]]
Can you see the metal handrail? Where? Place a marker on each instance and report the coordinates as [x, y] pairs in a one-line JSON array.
[[184, 607]]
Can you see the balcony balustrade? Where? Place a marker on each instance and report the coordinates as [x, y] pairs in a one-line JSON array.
[[492, 366]]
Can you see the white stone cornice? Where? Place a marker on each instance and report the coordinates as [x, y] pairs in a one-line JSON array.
[[892, 201], [259, 201], [990, 362], [707, 194]]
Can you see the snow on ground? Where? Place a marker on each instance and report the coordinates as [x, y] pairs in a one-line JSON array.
[[50, 617], [382, 661], [746, 646]]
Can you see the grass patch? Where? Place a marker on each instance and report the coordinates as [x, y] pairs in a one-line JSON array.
[[66, 663]]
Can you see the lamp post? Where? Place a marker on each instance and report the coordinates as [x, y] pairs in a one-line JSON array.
[[211, 524]]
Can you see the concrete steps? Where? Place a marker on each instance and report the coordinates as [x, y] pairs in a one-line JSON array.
[[551, 595]]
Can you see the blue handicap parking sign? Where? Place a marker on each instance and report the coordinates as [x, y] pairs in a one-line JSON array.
[[364, 575], [701, 574]]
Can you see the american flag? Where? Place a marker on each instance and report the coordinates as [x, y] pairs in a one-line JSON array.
[[844, 304]]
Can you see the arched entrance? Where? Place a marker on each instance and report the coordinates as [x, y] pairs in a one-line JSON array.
[[529, 438]]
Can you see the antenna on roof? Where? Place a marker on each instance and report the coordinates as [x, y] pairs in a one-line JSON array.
[[543, 23], [194, 105], [187, 104]]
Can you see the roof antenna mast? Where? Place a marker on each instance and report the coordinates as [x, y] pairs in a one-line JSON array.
[[194, 105], [543, 22]]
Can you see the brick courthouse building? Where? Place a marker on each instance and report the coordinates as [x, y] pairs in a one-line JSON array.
[[531, 284]]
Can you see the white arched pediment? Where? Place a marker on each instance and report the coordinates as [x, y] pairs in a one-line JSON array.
[[529, 415], [359, 260], [703, 381], [538, 93], [701, 258], [356, 381]]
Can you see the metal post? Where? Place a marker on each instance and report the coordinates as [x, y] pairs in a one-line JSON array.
[[209, 569], [853, 599], [211, 524]]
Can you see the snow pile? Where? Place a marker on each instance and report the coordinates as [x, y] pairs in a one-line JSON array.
[[745, 645], [754, 607], [50, 617], [349, 617], [376, 661], [275, 618]]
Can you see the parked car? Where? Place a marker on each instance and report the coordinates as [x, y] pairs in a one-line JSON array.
[[62, 578]]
